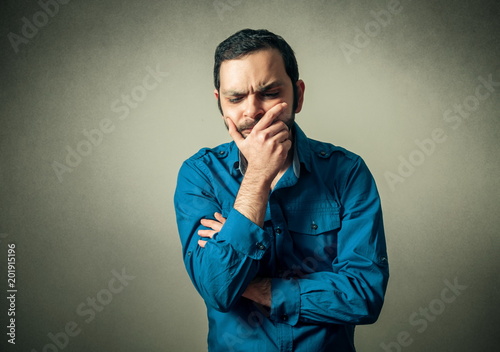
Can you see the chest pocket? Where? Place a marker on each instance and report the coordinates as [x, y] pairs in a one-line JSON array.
[[313, 218], [313, 228]]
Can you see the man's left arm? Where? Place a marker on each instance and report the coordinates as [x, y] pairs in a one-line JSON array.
[[353, 292]]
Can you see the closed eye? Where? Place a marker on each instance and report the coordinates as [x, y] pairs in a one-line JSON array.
[[271, 95], [234, 99]]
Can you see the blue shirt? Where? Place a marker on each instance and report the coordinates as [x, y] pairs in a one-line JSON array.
[[322, 244]]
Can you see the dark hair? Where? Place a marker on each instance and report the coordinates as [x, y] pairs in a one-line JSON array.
[[247, 41]]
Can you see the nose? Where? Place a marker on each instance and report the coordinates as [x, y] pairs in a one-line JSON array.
[[253, 107]]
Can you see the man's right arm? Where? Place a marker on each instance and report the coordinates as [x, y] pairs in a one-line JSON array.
[[266, 149], [223, 267]]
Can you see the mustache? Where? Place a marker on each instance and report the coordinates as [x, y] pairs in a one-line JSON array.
[[252, 123], [247, 125]]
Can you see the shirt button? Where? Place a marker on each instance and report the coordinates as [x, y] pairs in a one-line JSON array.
[[323, 153], [284, 317], [221, 152], [314, 226], [278, 230], [261, 246]]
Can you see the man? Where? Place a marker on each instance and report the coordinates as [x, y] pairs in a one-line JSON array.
[[282, 235]]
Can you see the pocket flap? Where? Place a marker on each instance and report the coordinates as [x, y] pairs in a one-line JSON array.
[[314, 220]]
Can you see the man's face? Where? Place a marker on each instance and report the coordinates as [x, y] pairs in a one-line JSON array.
[[253, 84]]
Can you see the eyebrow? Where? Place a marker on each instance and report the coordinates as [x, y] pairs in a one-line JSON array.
[[260, 89]]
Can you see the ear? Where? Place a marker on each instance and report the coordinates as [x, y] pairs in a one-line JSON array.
[[301, 87], [217, 97]]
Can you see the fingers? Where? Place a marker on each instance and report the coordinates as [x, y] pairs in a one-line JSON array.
[[207, 233], [213, 224], [270, 116], [233, 131], [220, 218], [279, 130], [266, 121], [287, 145]]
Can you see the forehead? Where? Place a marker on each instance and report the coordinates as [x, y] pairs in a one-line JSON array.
[[256, 69]]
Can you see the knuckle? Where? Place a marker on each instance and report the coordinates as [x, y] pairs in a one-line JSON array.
[[261, 137]]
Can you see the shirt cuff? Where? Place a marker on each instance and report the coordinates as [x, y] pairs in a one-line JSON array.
[[244, 235], [285, 301]]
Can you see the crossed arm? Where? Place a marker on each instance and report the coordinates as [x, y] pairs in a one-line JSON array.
[[259, 290]]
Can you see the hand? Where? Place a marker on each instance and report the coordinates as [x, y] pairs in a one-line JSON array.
[[215, 225], [259, 290], [266, 147]]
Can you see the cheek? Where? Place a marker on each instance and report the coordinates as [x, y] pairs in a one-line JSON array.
[[230, 111]]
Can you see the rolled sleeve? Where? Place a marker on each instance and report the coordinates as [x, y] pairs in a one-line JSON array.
[[244, 235]]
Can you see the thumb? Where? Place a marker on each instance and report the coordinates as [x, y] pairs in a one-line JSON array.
[[233, 131]]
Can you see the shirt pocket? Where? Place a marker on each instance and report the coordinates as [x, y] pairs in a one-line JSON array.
[[313, 228], [313, 218]]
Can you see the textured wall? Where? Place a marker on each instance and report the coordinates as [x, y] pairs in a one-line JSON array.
[[101, 101]]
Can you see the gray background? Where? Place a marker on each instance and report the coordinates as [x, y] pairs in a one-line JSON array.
[[114, 210]]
